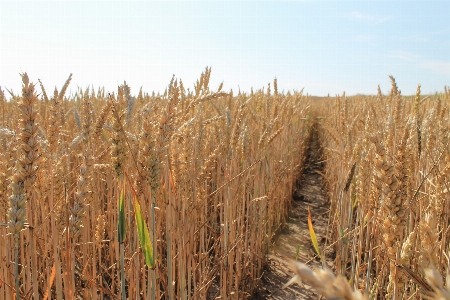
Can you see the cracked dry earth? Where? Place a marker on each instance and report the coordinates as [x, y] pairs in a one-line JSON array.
[[310, 191]]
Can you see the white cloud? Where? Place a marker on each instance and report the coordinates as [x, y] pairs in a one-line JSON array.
[[437, 66], [441, 67], [404, 56], [355, 15], [414, 38], [363, 38]]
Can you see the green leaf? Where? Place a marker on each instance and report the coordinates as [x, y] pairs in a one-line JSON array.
[[121, 229], [313, 234], [144, 236]]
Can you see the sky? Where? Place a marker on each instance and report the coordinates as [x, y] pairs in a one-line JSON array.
[[325, 47]]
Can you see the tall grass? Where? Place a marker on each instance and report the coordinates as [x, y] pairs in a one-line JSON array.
[[390, 220], [213, 172]]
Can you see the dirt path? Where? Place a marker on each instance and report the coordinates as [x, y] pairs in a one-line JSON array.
[[310, 191]]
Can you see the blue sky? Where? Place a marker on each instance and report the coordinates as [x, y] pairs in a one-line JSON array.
[[322, 46]]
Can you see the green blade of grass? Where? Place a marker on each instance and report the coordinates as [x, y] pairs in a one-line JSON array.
[[121, 227], [144, 236]]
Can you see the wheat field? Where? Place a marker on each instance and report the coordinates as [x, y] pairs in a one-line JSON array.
[[387, 173], [211, 173], [180, 195]]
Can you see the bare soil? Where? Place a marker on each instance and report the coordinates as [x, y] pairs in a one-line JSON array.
[[294, 242]]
